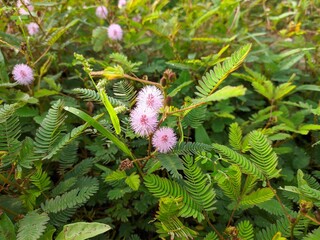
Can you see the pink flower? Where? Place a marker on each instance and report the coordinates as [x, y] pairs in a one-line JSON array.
[[122, 3], [22, 74], [150, 97], [102, 12], [143, 121], [33, 28], [22, 8], [164, 139], [115, 32], [137, 18]]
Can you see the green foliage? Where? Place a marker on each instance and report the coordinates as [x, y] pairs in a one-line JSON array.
[[214, 78], [185, 148], [128, 66], [235, 158], [262, 154], [124, 91], [73, 198], [245, 230], [196, 192], [172, 163], [9, 140], [247, 137], [314, 235], [41, 180], [50, 129], [235, 136], [7, 230], [195, 117], [169, 223], [32, 226], [82, 230]]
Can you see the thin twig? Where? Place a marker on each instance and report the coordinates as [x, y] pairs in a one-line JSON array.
[[213, 227], [279, 200], [312, 219]]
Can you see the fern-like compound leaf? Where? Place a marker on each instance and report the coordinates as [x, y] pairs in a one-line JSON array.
[[172, 163], [243, 162], [50, 130], [211, 236], [245, 229], [32, 226], [162, 187], [235, 136], [230, 182], [169, 223], [10, 145], [41, 180], [7, 110], [263, 155], [125, 92], [191, 148], [87, 94], [195, 117], [211, 81], [198, 185], [127, 65], [282, 225], [256, 197], [315, 235], [74, 198]]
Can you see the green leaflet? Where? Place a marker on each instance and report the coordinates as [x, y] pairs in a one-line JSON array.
[[32, 226], [133, 181], [263, 155], [113, 115], [82, 230], [196, 190], [169, 223], [105, 132], [6, 228], [222, 94], [245, 230], [212, 80], [256, 197]]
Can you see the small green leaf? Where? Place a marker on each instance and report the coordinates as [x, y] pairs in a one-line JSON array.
[[112, 73], [99, 37], [105, 132], [82, 230], [6, 228], [256, 197], [48, 234], [172, 163], [116, 176], [202, 135], [309, 127], [222, 94], [4, 78], [113, 115], [285, 64], [44, 93], [133, 181]]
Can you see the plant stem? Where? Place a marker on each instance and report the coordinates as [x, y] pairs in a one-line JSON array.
[[279, 200], [213, 227]]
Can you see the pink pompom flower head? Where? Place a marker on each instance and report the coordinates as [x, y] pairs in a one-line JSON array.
[[150, 97], [21, 7], [33, 28], [143, 121], [115, 32], [164, 139], [101, 12], [121, 3], [23, 74]]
